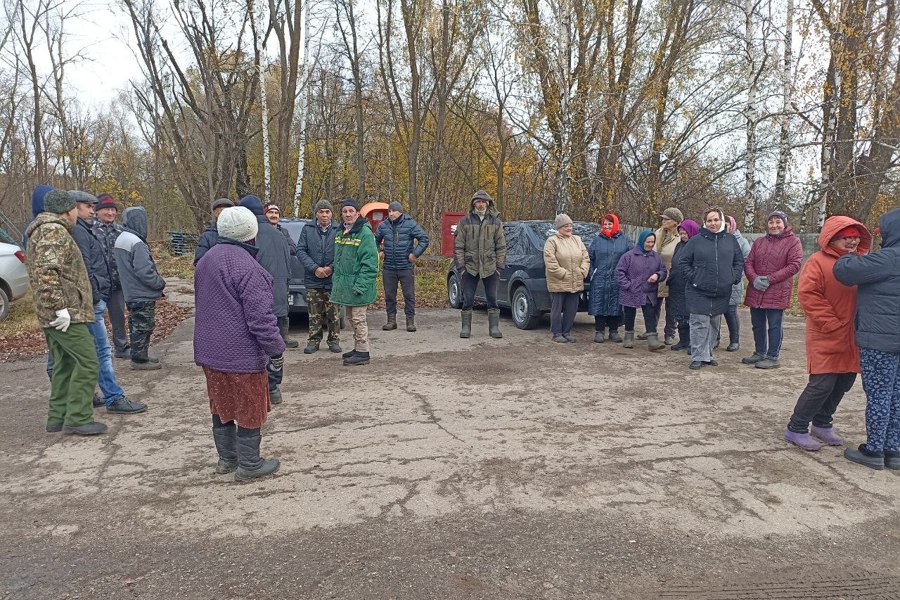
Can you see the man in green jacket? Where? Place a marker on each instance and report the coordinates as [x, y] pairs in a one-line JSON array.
[[480, 253], [64, 305], [353, 281]]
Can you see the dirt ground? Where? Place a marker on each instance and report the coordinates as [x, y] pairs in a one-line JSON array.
[[449, 468]]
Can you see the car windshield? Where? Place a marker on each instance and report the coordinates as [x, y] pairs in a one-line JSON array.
[[586, 231], [294, 228]]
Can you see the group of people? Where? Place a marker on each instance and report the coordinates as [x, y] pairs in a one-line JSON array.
[[243, 265], [851, 299]]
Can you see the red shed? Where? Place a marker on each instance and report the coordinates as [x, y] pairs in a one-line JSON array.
[[449, 221]]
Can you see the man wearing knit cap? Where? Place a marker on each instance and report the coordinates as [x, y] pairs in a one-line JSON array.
[[404, 242], [480, 253], [210, 235], [62, 301], [315, 249], [98, 272], [274, 254], [273, 214], [355, 269], [107, 230]]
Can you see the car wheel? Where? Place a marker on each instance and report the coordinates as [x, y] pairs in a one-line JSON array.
[[4, 304], [454, 291], [523, 310]]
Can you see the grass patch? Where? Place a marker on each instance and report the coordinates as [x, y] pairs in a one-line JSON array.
[[169, 265], [431, 285]]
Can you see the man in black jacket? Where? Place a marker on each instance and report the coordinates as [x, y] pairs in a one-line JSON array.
[[210, 235], [404, 242], [107, 231], [315, 249], [274, 255], [101, 285]]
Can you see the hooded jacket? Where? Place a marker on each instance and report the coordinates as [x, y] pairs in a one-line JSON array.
[[355, 265], [56, 271], [274, 255], [37, 207], [566, 263], [829, 305], [877, 276], [480, 244], [778, 257], [315, 249], [138, 275], [634, 269], [398, 237], [605, 253], [711, 262]]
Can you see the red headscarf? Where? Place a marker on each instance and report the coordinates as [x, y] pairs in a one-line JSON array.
[[615, 222]]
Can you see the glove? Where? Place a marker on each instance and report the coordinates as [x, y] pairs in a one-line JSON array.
[[761, 283], [276, 364], [62, 320]]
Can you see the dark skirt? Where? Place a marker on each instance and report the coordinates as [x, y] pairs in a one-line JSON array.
[[240, 397]]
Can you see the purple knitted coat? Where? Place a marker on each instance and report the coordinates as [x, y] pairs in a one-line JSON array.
[[235, 330], [632, 272]]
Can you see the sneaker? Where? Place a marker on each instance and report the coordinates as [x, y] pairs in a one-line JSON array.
[[310, 348], [733, 347], [334, 347], [827, 435], [92, 428], [98, 401], [54, 427], [560, 339], [862, 456], [802, 440], [768, 363], [752, 360], [145, 366], [360, 358], [125, 406]]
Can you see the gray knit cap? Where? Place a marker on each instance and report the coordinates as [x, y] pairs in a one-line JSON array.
[[323, 204], [237, 223], [562, 219], [58, 201]]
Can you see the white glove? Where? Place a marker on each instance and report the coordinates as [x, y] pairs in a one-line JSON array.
[[62, 321]]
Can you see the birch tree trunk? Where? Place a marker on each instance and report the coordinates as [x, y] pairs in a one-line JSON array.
[[264, 105], [787, 95], [304, 102]]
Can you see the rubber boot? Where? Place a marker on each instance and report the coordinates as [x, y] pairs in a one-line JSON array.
[[802, 440], [284, 324], [391, 323], [653, 343], [466, 330], [614, 336], [598, 337], [494, 323], [629, 340], [827, 435], [226, 445], [411, 323], [250, 464]]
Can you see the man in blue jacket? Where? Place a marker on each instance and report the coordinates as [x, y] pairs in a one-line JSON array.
[[210, 235], [141, 285], [404, 242], [877, 277], [315, 249]]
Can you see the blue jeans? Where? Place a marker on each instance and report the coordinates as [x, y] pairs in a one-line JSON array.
[[767, 323], [107, 379]]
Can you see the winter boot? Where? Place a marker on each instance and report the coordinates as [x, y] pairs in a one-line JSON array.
[[827, 435], [250, 464], [466, 330], [494, 323], [642, 336], [311, 348], [892, 459], [802, 440], [670, 339], [598, 337], [275, 395], [411, 323], [92, 428], [769, 362], [334, 347], [684, 338], [347, 355], [284, 324], [753, 359], [614, 336], [391, 322], [629, 340], [145, 366], [360, 358], [653, 343], [226, 445], [865, 457]]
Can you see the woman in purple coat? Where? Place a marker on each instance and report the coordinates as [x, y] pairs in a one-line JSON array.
[[236, 338], [638, 274]]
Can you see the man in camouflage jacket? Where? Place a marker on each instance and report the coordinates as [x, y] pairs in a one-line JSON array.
[[64, 306]]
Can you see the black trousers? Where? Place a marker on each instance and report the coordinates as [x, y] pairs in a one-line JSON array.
[[115, 308], [563, 307], [611, 321], [407, 280], [141, 323], [671, 326], [650, 317], [819, 401], [470, 282]]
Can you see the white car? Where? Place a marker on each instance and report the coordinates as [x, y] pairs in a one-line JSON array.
[[13, 276]]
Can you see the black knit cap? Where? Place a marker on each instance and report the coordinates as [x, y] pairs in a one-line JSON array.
[[350, 202]]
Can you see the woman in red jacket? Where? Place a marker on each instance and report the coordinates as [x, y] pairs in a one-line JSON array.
[[832, 357], [770, 268]]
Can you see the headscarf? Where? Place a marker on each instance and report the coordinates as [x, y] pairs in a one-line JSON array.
[[643, 238], [690, 227], [615, 222]]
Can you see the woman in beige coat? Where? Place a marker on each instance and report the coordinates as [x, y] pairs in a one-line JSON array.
[[667, 237], [567, 265]]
